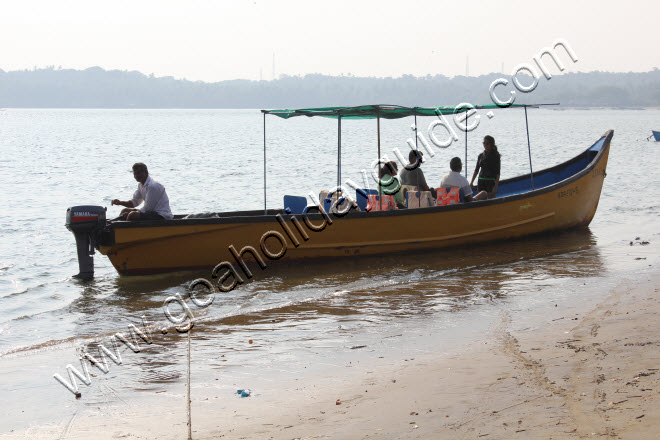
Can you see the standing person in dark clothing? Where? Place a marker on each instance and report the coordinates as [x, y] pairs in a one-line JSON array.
[[489, 164]]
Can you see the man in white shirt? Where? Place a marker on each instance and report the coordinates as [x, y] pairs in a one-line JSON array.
[[156, 203], [455, 179]]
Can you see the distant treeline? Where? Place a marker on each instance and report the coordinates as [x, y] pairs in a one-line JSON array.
[[98, 88]]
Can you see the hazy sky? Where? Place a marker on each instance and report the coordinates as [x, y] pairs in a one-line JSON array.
[[218, 40]]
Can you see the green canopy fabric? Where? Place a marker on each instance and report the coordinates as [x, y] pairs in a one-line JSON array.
[[384, 111]]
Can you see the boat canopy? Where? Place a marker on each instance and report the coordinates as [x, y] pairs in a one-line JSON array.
[[382, 111]]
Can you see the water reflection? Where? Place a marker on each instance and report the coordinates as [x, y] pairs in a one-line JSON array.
[[388, 285], [308, 311], [421, 283], [298, 305]]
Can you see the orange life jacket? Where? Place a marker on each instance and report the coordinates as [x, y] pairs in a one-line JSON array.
[[373, 203], [448, 196]]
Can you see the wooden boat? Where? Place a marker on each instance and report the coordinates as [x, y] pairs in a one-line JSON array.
[[564, 196]]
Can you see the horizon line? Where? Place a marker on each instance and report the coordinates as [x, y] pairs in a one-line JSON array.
[[300, 75]]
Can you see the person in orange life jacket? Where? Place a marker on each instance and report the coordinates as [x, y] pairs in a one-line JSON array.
[[390, 184], [455, 179]]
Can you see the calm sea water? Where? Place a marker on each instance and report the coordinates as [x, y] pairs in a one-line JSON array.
[[212, 160]]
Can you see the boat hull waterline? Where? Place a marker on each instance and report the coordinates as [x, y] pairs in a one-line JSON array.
[[186, 244]]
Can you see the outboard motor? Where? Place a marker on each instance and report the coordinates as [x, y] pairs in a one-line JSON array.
[[85, 222]]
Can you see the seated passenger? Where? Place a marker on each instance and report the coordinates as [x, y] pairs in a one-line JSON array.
[[156, 203], [412, 174], [390, 185], [336, 203], [489, 164], [455, 178]]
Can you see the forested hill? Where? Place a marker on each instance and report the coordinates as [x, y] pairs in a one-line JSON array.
[[98, 88]]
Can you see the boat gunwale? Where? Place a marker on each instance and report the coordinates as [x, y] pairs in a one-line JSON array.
[[257, 216]]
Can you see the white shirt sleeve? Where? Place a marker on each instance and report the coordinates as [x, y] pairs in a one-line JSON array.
[[137, 198], [467, 189], [152, 196]]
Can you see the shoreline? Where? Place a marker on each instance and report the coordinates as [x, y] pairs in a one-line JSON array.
[[583, 371]]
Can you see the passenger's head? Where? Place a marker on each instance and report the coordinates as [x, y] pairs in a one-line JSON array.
[[414, 156], [388, 169], [456, 165], [489, 143], [140, 172]]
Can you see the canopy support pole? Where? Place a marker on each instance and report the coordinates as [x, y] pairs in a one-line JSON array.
[[417, 147], [529, 150], [415, 114], [380, 188], [465, 167], [265, 209], [339, 153]]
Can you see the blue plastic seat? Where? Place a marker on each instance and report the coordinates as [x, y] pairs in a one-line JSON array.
[[341, 203], [361, 196], [327, 204], [295, 204]]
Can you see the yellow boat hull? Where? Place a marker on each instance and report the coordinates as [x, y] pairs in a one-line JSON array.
[[183, 244]]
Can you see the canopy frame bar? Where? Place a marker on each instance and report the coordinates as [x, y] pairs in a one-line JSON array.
[[380, 187], [338, 156], [416, 146], [386, 111], [529, 150], [467, 115], [265, 209]]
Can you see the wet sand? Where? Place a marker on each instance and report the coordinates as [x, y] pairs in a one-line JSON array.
[[595, 374], [576, 373]]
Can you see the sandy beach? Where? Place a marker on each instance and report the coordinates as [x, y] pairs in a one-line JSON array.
[[591, 375], [590, 372]]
